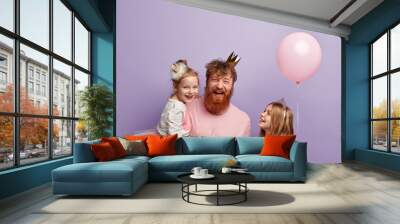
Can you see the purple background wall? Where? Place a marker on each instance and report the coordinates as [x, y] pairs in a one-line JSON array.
[[152, 34]]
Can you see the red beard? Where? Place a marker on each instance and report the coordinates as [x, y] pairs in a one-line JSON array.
[[216, 105]]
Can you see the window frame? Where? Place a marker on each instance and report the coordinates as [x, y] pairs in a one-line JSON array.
[[16, 114], [4, 59], [3, 74], [388, 74]]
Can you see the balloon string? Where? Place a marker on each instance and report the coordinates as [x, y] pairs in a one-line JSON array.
[[297, 111], [297, 117]]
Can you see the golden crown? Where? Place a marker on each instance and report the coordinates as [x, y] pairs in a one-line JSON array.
[[233, 59]]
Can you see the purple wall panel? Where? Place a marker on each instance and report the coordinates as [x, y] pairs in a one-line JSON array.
[[152, 34]]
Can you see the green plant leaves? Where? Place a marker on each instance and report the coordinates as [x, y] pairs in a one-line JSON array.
[[97, 104]]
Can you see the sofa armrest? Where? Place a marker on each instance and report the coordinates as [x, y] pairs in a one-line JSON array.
[[298, 155], [83, 152]]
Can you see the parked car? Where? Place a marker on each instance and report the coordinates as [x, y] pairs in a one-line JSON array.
[[57, 152], [36, 153], [10, 156], [22, 155]]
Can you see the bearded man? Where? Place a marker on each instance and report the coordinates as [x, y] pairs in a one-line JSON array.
[[214, 114]]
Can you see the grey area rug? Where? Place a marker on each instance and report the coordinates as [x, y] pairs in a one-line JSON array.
[[166, 198]]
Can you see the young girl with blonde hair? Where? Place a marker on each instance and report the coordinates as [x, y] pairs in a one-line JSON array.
[[277, 119], [185, 83]]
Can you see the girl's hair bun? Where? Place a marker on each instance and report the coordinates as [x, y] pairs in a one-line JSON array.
[[178, 69]]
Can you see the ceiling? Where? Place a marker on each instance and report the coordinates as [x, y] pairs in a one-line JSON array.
[[326, 16], [98, 15]]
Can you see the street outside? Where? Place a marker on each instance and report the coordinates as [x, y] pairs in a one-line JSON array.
[[381, 145], [32, 156]]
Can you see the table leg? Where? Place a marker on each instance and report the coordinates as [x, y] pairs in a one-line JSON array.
[[182, 189], [245, 193], [188, 190], [217, 194]]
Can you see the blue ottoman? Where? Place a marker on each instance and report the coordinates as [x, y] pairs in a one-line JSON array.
[[118, 177]]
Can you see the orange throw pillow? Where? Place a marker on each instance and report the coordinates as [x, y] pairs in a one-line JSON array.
[[161, 145], [116, 145], [275, 145], [103, 152], [136, 137]]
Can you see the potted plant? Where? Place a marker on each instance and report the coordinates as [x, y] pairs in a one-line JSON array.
[[96, 102]]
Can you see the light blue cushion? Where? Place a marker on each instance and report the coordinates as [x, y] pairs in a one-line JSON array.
[[110, 171], [83, 153], [185, 163], [249, 145], [118, 177], [206, 145], [298, 155], [257, 163], [133, 158]]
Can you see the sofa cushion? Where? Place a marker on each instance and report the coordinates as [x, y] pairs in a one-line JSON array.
[[83, 152], [111, 171], [161, 145], [185, 163], [134, 147], [103, 152], [277, 145], [136, 137], [206, 145], [116, 145], [257, 163], [249, 145], [132, 159]]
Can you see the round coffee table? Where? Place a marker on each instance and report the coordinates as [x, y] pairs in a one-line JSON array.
[[238, 179]]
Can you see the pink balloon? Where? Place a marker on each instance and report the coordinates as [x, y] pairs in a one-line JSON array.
[[299, 56]]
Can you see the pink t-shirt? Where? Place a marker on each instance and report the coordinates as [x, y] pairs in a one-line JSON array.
[[233, 122], [186, 122]]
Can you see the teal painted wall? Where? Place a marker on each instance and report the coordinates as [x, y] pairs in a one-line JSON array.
[[24, 178], [103, 51], [92, 12], [103, 61], [357, 101], [379, 159]]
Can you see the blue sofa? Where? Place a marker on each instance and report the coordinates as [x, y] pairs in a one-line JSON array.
[[125, 176]]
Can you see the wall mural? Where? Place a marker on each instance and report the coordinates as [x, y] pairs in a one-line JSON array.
[[176, 73]]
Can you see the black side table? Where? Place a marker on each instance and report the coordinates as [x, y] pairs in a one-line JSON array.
[[239, 179]]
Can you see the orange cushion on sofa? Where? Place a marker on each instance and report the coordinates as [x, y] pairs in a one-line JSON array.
[[161, 145], [103, 151], [116, 145], [136, 137], [275, 145]]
